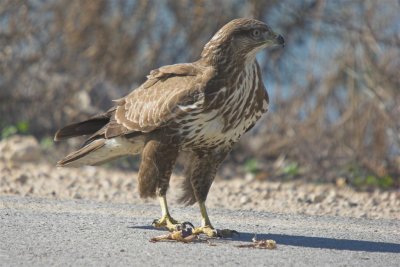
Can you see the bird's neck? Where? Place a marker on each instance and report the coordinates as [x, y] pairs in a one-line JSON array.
[[225, 62]]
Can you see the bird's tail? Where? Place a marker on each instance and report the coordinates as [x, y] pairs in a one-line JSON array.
[[102, 150], [99, 147], [83, 156]]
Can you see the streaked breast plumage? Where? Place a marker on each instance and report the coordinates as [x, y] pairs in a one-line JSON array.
[[224, 125]]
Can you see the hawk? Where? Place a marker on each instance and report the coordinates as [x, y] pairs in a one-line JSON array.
[[200, 108]]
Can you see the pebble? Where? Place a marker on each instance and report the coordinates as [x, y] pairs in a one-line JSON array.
[[244, 200]]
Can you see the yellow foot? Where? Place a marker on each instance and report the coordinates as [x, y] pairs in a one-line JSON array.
[[211, 232], [170, 224]]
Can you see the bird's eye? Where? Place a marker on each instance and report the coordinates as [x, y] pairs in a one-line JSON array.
[[256, 33]]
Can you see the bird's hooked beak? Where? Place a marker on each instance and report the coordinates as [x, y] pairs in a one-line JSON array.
[[271, 38]]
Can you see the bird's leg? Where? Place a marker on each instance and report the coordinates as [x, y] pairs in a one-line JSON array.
[[201, 173], [208, 229], [166, 221]]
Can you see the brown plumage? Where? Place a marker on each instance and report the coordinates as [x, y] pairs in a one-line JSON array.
[[202, 108]]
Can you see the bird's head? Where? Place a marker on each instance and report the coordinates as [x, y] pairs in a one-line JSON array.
[[241, 38]]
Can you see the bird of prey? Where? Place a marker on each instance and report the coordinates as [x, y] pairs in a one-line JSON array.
[[200, 108]]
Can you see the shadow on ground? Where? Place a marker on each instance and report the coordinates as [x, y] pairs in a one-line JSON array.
[[312, 242], [324, 242]]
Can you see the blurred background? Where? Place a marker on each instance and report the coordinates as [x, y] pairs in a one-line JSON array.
[[334, 88]]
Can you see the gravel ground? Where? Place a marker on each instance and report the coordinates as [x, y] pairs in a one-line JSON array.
[[100, 184]]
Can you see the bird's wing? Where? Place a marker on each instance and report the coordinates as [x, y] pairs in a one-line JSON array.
[[168, 92]]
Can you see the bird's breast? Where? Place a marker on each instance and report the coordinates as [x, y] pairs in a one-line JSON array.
[[238, 108]]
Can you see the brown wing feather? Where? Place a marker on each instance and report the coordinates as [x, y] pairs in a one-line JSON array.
[[152, 105], [157, 101]]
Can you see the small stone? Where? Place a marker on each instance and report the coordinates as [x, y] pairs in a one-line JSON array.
[[319, 198], [22, 179], [249, 177], [353, 204], [341, 182], [244, 200]]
